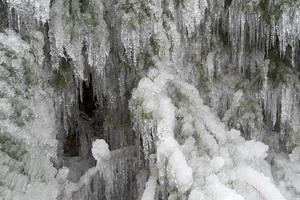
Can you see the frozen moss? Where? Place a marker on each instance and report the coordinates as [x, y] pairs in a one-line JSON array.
[[127, 7], [179, 3], [147, 60], [280, 69], [28, 75], [63, 76], [84, 4], [154, 44], [269, 10]]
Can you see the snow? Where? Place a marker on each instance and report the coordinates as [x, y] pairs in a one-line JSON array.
[[259, 182], [217, 163], [196, 194], [178, 171], [100, 151], [186, 169], [149, 192], [220, 192], [12, 41], [295, 155], [286, 174], [252, 150]]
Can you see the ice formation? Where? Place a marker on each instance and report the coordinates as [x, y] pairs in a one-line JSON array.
[[149, 99], [100, 151]]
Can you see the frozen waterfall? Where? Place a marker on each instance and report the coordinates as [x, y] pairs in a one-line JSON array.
[[149, 100]]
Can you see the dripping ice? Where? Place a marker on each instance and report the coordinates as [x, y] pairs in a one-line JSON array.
[[149, 99]]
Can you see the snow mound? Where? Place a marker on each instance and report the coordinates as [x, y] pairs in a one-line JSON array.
[[196, 157], [100, 151]]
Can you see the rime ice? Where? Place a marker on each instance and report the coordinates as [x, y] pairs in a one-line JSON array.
[[149, 99]]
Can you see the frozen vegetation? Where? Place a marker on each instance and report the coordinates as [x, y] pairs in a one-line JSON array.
[[149, 100]]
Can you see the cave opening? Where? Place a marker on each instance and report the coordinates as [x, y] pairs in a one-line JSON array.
[[92, 117], [87, 103], [81, 134], [72, 145]]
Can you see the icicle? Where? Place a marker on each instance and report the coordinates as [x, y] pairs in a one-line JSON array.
[[241, 50], [193, 14], [39, 8], [265, 84], [210, 65], [286, 108]]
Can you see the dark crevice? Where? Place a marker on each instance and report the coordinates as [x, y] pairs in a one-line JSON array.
[[14, 16], [84, 4], [227, 3], [46, 48], [87, 104], [72, 144], [3, 15], [98, 117]]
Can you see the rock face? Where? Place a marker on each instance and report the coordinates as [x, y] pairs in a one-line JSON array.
[[187, 94]]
